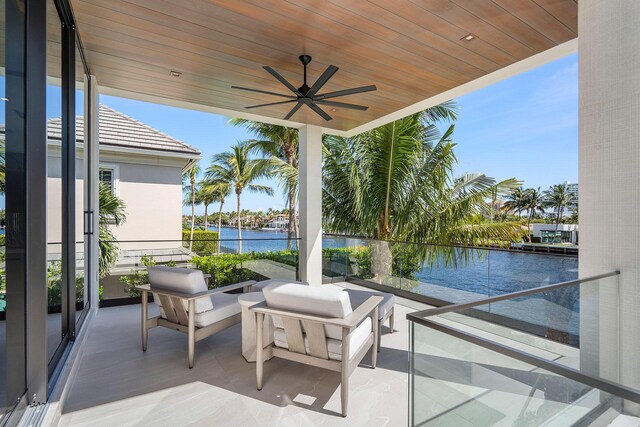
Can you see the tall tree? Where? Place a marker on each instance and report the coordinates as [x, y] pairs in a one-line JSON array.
[[240, 171], [534, 203], [559, 198], [396, 182], [189, 180], [111, 212], [279, 145], [515, 201], [219, 190]]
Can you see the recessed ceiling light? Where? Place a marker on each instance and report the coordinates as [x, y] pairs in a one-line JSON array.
[[469, 37], [333, 110], [175, 73]]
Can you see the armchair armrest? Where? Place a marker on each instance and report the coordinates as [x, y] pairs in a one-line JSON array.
[[351, 321], [189, 297]]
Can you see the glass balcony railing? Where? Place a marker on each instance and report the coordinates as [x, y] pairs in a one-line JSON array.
[[223, 262], [439, 275], [546, 356]]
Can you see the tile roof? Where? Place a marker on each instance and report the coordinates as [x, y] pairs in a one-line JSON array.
[[117, 129]]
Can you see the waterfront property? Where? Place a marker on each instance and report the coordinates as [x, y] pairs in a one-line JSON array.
[[552, 233], [561, 354]]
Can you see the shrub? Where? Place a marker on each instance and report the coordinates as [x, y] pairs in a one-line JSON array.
[[204, 242], [54, 285], [138, 277], [226, 269], [3, 239]]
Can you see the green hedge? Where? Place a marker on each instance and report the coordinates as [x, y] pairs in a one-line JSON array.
[[199, 246], [3, 239], [226, 269]]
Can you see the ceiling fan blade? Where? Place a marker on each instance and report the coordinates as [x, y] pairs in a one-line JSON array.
[[293, 111], [346, 92], [282, 80], [342, 105], [328, 73], [263, 91], [317, 109], [271, 103]]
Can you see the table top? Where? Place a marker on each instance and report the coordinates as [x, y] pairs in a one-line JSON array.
[[250, 298]]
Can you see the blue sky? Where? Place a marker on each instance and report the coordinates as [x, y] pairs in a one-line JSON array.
[[524, 127]]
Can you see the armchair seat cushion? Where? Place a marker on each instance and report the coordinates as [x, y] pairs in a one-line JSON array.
[[358, 297], [334, 346], [224, 306]]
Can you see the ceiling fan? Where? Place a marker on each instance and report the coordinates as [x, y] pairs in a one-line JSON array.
[[305, 95]]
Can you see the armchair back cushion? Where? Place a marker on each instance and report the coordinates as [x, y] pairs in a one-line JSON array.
[[178, 279], [326, 300]]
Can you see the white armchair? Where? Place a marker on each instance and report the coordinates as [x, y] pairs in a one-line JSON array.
[[187, 305], [315, 325]]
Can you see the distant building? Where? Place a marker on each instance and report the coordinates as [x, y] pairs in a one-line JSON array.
[[572, 188], [278, 222], [567, 233]]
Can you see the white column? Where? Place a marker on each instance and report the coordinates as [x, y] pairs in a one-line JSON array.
[[609, 180], [310, 189], [91, 167]]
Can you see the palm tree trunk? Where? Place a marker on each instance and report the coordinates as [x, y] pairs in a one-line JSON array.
[[558, 217], [220, 223], [193, 212], [239, 226], [529, 226], [206, 217], [292, 215]]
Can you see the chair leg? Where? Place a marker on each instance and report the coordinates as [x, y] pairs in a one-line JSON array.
[[391, 320], [377, 326], [344, 388], [259, 350], [192, 332], [144, 330], [379, 335]]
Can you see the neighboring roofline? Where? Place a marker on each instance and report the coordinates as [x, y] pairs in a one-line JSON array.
[[560, 51], [157, 131]]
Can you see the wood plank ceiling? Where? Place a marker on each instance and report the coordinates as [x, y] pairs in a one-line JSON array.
[[410, 49]]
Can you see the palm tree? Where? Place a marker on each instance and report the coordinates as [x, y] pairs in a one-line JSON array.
[[559, 198], [515, 201], [111, 212], [218, 190], [279, 145], [2, 167], [209, 192], [240, 171], [534, 202], [395, 182], [189, 184]]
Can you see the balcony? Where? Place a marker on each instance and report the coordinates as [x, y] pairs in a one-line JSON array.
[[493, 358], [118, 384]]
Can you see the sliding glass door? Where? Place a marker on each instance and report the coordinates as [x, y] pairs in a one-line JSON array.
[[44, 278]]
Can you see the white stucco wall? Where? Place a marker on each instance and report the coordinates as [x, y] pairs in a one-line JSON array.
[[150, 186], [609, 176]]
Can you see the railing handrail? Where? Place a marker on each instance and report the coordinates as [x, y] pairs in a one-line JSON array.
[[615, 388], [284, 239], [460, 246], [517, 294]]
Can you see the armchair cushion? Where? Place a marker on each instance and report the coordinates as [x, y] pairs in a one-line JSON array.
[[224, 305], [259, 286], [325, 300], [180, 279], [334, 346], [358, 297]]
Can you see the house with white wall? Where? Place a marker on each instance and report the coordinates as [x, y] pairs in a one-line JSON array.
[[143, 167]]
